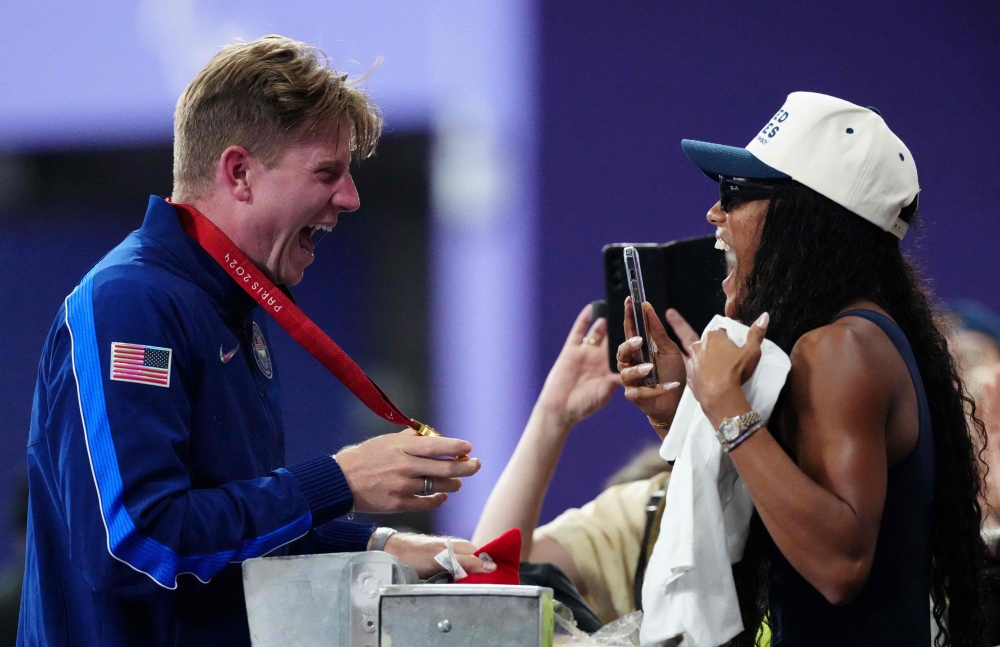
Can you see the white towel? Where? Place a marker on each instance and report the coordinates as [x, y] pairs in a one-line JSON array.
[[689, 589]]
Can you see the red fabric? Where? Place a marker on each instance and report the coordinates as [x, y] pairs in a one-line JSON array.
[[506, 552]]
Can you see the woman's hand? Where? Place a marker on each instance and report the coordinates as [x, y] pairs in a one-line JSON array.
[[580, 382], [658, 402], [717, 368]]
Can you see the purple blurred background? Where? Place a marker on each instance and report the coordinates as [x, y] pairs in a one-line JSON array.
[[533, 134]]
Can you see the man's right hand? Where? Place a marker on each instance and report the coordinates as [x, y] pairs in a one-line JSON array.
[[386, 473]]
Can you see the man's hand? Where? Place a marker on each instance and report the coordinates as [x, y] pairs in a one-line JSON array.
[[418, 551], [386, 473]]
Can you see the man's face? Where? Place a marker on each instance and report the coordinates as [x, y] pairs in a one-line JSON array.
[[305, 191]]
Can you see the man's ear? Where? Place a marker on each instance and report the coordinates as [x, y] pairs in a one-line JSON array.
[[232, 171]]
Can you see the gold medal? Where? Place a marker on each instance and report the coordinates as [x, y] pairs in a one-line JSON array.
[[427, 430]]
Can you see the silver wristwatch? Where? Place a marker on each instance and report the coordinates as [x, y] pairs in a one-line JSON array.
[[380, 537], [732, 431]]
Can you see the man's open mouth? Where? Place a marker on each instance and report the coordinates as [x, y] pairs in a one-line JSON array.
[[310, 235]]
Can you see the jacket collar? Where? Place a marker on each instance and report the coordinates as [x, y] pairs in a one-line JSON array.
[[162, 225]]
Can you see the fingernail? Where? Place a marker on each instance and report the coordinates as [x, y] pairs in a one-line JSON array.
[[489, 567], [762, 320], [644, 369], [635, 342], [670, 386]]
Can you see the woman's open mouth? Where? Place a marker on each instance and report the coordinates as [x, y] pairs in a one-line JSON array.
[[730, 257], [721, 244]]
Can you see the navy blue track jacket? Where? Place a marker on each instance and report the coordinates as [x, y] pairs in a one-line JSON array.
[[155, 456]]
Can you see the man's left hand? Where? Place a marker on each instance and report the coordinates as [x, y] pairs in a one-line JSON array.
[[418, 551]]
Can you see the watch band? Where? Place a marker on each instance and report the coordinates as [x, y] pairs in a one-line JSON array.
[[743, 436], [380, 537]]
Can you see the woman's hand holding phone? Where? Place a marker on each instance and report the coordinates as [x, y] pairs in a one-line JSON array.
[[658, 402]]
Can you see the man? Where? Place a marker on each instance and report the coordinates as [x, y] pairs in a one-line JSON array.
[[156, 447]]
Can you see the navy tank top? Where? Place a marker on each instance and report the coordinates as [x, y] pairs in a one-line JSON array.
[[893, 608]]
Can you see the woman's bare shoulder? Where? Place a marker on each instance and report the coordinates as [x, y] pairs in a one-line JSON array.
[[849, 361], [850, 343]]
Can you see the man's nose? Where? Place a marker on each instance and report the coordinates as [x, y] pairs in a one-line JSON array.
[[347, 199], [716, 215]]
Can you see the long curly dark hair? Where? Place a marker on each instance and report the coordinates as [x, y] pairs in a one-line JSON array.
[[814, 259]]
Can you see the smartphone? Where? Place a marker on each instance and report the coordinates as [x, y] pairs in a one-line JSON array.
[[683, 274], [633, 274]]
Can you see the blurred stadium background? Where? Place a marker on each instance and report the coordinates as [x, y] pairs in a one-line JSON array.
[[522, 137]]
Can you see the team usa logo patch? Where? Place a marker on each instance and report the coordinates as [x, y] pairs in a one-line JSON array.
[[260, 353], [141, 364]]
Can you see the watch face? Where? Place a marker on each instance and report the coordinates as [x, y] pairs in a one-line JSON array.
[[730, 429]]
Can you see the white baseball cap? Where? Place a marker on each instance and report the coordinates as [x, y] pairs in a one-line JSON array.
[[842, 151]]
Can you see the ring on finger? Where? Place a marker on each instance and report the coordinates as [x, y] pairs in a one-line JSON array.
[[428, 487], [590, 340]]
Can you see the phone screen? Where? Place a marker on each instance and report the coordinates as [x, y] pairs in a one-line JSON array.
[[633, 273]]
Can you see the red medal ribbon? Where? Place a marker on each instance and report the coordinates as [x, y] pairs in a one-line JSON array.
[[291, 318]]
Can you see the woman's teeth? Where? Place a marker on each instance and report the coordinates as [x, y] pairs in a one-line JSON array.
[[719, 243]]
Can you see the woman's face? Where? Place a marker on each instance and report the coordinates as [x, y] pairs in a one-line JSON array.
[[740, 230]]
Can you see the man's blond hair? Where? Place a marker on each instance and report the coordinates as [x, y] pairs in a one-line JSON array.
[[263, 96]]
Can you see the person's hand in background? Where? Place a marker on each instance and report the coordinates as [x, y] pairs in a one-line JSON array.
[[580, 382]]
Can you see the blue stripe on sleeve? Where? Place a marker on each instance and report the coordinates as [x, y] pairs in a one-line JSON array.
[[125, 543]]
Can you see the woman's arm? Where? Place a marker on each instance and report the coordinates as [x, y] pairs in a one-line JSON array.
[[516, 499], [579, 384], [823, 512]]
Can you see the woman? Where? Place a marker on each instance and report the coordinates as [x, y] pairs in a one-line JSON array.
[[865, 480]]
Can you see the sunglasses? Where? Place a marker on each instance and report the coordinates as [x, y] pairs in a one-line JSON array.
[[733, 192]]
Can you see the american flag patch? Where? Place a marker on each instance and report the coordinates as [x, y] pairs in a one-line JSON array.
[[142, 364]]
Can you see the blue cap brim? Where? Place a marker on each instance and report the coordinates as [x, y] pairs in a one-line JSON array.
[[728, 161]]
